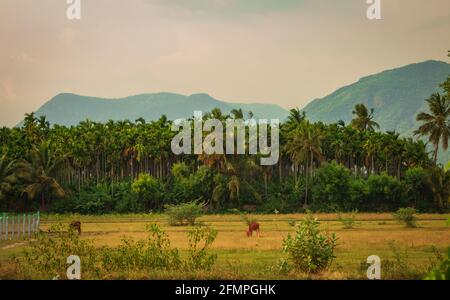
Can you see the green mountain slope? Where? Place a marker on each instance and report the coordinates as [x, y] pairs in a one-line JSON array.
[[70, 109], [397, 95]]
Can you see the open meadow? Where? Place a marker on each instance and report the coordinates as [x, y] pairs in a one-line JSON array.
[[406, 253]]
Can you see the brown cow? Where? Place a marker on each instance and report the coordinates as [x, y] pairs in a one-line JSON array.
[[254, 226], [76, 225]]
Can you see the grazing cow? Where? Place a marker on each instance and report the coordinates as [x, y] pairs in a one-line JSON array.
[[254, 226], [76, 225]]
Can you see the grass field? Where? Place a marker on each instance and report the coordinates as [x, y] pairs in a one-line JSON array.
[[408, 252]]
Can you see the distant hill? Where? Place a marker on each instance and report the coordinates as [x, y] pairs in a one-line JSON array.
[[396, 95], [70, 109]]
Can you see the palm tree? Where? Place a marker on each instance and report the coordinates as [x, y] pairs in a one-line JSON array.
[[7, 176], [305, 144], [436, 124], [364, 120], [40, 172], [439, 182]]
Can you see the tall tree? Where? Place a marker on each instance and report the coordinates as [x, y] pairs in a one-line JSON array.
[[435, 124], [7, 176], [41, 172], [304, 146], [363, 120]]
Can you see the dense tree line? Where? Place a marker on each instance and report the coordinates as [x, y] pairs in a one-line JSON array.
[[123, 166]]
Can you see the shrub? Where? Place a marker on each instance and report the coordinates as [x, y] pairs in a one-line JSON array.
[[417, 189], [407, 216], [148, 191], [385, 193], [310, 250], [348, 220], [200, 239], [153, 253], [331, 187], [46, 257], [441, 272], [184, 214]]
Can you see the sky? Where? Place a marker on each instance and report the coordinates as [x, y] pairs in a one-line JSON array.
[[286, 52]]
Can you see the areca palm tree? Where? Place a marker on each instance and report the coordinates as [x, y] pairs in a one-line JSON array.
[[41, 172], [7, 175], [363, 120], [436, 125], [303, 146], [439, 182]]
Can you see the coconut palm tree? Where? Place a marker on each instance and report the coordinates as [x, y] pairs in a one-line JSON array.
[[7, 175], [364, 120], [435, 124], [41, 172], [439, 183]]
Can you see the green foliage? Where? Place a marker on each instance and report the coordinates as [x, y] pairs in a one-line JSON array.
[[385, 193], [331, 188], [418, 189], [200, 239], [348, 220], [46, 257], [406, 216], [310, 250], [441, 272], [153, 253], [148, 191], [184, 214]]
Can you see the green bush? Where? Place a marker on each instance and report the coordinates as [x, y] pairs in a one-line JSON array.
[[406, 216], [184, 214], [46, 257], [148, 190], [417, 189], [200, 239], [385, 193], [441, 272], [310, 250], [348, 220], [331, 188]]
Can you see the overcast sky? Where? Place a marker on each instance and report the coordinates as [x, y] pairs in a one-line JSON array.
[[269, 51]]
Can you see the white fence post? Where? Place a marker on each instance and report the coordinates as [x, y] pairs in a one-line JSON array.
[[23, 225], [29, 224], [6, 231]]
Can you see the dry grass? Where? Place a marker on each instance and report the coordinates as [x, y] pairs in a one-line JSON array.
[[254, 258]]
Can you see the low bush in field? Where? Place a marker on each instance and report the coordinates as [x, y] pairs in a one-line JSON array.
[[442, 271], [310, 250], [184, 214], [399, 265], [46, 258], [348, 221], [406, 216]]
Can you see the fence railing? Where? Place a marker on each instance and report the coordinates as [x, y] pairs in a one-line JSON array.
[[18, 226]]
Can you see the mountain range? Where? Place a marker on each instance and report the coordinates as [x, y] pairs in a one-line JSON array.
[[69, 109]]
